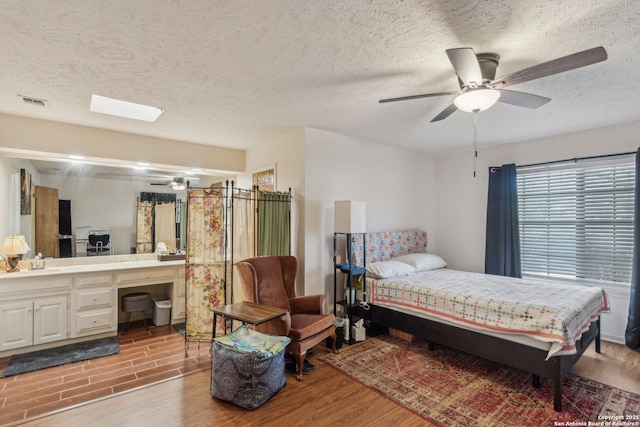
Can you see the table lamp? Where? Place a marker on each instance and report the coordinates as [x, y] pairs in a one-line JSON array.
[[13, 248]]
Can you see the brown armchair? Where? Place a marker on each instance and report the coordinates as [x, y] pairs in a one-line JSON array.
[[270, 280]]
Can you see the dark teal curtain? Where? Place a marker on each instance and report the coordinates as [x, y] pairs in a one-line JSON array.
[[274, 223], [632, 333], [502, 251]]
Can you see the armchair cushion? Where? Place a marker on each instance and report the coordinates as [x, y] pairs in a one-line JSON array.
[[307, 304], [304, 326]]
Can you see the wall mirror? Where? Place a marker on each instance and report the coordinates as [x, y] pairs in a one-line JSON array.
[[88, 197]]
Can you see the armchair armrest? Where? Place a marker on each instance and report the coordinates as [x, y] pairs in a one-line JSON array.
[[311, 304]]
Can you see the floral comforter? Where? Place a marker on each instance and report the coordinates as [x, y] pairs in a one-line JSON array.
[[548, 311]]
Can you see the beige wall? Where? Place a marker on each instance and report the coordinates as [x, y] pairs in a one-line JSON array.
[[25, 133]]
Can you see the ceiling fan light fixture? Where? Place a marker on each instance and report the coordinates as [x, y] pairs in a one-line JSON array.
[[178, 184], [476, 99]]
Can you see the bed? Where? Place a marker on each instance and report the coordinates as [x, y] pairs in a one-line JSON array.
[[539, 326]]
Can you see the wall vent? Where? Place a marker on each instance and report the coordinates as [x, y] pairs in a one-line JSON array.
[[34, 101]]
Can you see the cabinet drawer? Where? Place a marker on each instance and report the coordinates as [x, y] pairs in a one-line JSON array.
[[90, 321], [149, 276], [93, 280], [95, 298]]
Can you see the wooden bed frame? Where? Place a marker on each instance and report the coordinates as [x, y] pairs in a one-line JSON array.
[[519, 356]]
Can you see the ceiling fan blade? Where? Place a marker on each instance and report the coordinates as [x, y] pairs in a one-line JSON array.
[[522, 99], [445, 113], [555, 66], [466, 65], [425, 95]]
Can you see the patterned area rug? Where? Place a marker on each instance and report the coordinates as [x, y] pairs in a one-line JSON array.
[[29, 362], [450, 388]]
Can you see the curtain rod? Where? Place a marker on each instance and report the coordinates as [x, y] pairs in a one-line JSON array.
[[575, 159]]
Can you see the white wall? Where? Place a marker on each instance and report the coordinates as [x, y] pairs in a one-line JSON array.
[[397, 185], [26, 225], [6, 169], [462, 199]]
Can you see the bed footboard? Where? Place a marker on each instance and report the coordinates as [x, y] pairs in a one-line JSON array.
[[519, 356]]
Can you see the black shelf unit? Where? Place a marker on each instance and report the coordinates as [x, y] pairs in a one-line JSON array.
[[352, 271]]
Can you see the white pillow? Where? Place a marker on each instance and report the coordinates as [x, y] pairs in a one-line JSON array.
[[387, 269], [422, 262]]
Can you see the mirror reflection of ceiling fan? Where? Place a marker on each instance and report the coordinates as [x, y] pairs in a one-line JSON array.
[[479, 89], [177, 183]]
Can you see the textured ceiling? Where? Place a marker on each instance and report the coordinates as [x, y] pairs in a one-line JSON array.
[[234, 73]]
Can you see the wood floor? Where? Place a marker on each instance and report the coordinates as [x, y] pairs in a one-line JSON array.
[[325, 397], [145, 357]]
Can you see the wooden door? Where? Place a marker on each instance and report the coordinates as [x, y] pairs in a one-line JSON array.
[[47, 217]]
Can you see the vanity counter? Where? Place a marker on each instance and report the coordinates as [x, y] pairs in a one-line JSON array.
[[78, 299], [53, 269]]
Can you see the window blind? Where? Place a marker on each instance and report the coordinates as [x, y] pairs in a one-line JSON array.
[[576, 221]]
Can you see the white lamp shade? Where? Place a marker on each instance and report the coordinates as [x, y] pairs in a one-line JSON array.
[[476, 99], [15, 245], [350, 217]]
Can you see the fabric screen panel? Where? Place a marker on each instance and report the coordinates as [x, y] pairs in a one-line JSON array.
[[274, 223], [165, 224], [205, 264], [243, 237], [144, 227], [576, 221]]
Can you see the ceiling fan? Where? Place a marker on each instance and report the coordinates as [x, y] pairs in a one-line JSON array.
[[479, 89], [176, 183]]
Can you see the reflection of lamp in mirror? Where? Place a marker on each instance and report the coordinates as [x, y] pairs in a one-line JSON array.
[[13, 248]]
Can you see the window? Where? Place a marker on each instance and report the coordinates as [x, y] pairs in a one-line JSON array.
[[576, 221]]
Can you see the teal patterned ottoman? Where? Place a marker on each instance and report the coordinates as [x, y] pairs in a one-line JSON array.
[[247, 367]]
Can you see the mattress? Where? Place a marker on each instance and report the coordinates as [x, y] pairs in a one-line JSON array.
[[539, 313]]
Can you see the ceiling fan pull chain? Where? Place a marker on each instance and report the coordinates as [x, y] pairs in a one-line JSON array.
[[475, 140]]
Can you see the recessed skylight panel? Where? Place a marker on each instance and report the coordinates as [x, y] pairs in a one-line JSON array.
[[129, 110]]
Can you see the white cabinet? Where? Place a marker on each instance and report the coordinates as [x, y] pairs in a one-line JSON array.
[[95, 304], [33, 321], [78, 303], [16, 328]]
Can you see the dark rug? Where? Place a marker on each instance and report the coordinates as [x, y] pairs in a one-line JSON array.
[[451, 388], [28, 362]]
